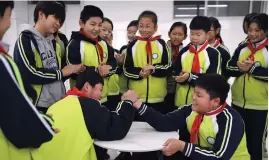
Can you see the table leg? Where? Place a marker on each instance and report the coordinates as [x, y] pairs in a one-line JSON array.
[[160, 155]]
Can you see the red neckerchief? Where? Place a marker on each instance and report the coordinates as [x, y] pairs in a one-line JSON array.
[[217, 43], [3, 51], [176, 52], [254, 50], [148, 45], [196, 62], [198, 120], [76, 92], [96, 40]]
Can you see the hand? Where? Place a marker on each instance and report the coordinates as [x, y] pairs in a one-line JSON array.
[[144, 74], [245, 65], [183, 76], [56, 130], [68, 70], [149, 68], [171, 146], [78, 68], [137, 104], [129, 95], [104, 69], [120, 58]]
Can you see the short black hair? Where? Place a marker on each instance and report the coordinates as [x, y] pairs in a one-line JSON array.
[[215, 23], [261, 20], [179, 24], [50, 8], [200, 22], [247, 19], [90, 11], [133, 23], [90, 76], [215, 85], [4, 5], [149, 14], [109, 21]]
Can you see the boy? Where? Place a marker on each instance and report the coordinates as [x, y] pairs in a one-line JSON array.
[[194, 59], [249, 66], [209, 129], [37, 60], [147, 62], [87, 48], [21, 125], [91, 120]]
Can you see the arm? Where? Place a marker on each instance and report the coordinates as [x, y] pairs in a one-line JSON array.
[[259, 72], [24, 57], [129, 69], [225, 57], [111, 60], [172, 121], [161, 69], [232, 68], [230, 134], [105, 125], [73, 55], [20, 121]]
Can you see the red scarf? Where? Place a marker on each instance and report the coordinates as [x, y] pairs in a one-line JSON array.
[[76, 92], [196, 62], [3, 51], [176, 52], [217, 43], [96, 40], [148, 46], [254, 50], [198, 120]]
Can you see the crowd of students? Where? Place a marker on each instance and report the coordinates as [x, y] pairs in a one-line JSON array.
[[170, 86]]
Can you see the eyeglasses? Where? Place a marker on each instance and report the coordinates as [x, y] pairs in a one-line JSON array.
[[146, 28]]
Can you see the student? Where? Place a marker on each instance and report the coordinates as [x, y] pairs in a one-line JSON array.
[[209, 128], [177, 34], [245, 26], [37, 60], [250, 88], [131, 31], [88, 48], [215, 40], [91, 120], [21, 126], [193, 60], [147, 62], [113, 97]]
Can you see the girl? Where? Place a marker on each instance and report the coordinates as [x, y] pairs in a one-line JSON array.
[[250, 88], [177, 34], [216, 41]]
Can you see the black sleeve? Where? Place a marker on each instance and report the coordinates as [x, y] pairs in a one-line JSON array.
[[111, 60], [105, 125], [161, 69], [172, 121], [25, 59], [20, 121], [225, 57], [232, 68], [230, 134], [258, 72], [73, 54], [129, 69]]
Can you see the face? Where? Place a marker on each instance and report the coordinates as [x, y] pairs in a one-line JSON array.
[[146, 27], [131, 31], [201, 101], [50, 23], [93, 92], [5, 22], [256, 34], [198, 37], [106, 31], [177, 35], [92, 26]]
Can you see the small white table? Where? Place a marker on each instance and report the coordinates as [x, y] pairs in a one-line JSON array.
[[140, 138]]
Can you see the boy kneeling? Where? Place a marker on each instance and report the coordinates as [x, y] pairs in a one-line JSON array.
[[209, 128]]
